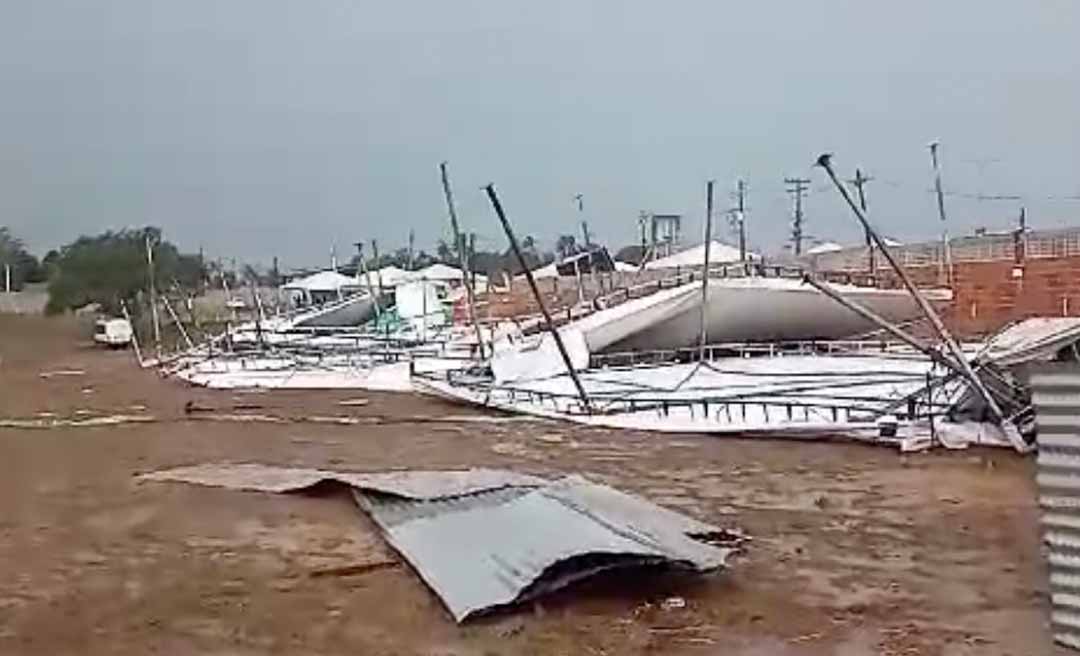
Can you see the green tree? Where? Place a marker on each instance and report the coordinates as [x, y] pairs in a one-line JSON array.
[[565, 246], [113, 266], [24, 266]]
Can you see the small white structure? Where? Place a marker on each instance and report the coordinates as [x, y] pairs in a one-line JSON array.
[[719, 253], [115, 333], [423, 305]]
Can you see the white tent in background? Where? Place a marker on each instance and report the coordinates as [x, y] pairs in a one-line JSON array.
[[322, 287], [323, 281], [546, 271], [440, 272], [388, 276], [719, 253], [824, 247]]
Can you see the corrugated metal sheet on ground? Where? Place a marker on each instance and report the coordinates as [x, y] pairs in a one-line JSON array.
[[1056, 396], [478, 553], [485, 538], [407, 484]]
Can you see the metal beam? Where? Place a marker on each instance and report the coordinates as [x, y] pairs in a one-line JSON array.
[[490, 189], [824, 161], [466, 273]]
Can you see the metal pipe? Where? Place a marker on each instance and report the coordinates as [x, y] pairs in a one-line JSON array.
[[176, 320], [703, 336], [470, 293], [824, 161], [367, 279], [490, 189], [134, 339], [885, 325]]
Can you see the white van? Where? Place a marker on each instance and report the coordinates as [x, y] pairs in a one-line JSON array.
[[112, 332]]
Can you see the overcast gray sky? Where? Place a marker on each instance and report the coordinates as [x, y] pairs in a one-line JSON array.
[[278, 127]]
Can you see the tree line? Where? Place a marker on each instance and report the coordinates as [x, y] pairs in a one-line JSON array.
[[114, 266]]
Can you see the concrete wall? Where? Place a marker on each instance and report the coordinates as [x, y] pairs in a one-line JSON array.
[[31, 300]]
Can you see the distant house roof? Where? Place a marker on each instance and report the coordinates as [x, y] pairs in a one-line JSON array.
[[323, 281], [719, 253]]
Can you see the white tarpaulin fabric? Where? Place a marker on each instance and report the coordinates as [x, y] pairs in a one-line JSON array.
[[1035, 339]]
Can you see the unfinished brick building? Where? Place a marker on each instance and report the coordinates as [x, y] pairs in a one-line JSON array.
[[996, 278]]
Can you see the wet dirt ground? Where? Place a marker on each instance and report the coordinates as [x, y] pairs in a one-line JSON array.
[[856, 549]]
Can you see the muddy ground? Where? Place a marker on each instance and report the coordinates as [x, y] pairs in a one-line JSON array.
[[856, 550]]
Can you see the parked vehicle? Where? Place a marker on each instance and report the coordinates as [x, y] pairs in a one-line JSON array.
[[115, 333]]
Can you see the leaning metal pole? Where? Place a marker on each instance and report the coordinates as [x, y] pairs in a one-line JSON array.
[[883, 323], [703, 336], [134, 337], [367, 279], [176, 320], [466, 270], [490, 189], [824, 161]]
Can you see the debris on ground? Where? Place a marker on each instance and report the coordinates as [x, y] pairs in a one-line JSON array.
[[354, 403], [62, 372], [464, 532]]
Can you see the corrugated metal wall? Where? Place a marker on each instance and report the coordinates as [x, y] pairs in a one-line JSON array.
[[1056, 390]]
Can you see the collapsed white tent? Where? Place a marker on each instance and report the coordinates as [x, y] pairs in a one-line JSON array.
[[719, 253]]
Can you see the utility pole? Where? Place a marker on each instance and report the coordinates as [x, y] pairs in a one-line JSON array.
[[945, 272], [378, 266], [580, 198], [797, 187], [741, 217], [643, 225], [1020, 238], [463, 260], [153, 295], [412, 242], [859, 181]]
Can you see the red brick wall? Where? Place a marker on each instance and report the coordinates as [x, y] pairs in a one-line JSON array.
[[988, 295]]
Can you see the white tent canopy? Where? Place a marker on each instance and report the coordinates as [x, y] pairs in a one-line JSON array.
[[323, 281], [719, 253], [444, 273], [824, 247], [389, 276]]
